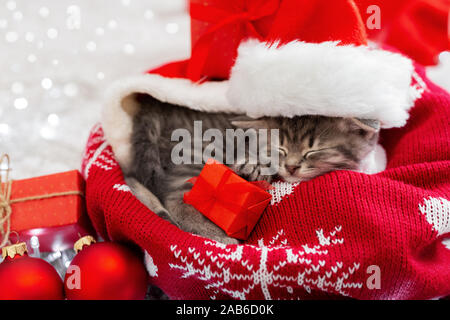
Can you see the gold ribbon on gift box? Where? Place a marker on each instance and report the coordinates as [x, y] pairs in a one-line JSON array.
[[6, 201]]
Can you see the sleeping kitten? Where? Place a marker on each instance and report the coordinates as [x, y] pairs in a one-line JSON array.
[[311, 146], [154, 178], [308, 146]]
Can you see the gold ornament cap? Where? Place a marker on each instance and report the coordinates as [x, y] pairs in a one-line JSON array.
[[15, 249], [84, 241]]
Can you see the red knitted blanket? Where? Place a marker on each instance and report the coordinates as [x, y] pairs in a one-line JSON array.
[[379, 236]]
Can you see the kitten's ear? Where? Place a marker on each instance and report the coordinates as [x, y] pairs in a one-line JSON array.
[[245, 122], [366, 124]]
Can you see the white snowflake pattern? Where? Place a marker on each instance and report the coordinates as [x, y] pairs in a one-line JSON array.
[[152, 268], [122, 187], [446, 243], [212, 267], [280, 190], [418, 87], [437, 213], [103, 158]]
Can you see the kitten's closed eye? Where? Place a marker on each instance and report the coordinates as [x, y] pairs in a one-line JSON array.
[[310, 152], [283, 151]]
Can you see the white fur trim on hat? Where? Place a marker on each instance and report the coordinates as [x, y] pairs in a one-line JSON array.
[[295, 79], [322, 79]]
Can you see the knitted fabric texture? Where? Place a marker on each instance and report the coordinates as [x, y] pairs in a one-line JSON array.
[[323, 238]]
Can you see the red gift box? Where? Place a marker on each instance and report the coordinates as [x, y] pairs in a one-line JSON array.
[[232, 203], [51, 207]]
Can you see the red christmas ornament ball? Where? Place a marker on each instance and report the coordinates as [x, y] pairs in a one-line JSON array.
[[105, 271], [25, 278]]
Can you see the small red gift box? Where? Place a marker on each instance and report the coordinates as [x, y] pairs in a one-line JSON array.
[[232, 203], [51, 207]]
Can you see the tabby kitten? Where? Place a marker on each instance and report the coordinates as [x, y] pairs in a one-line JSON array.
[[311, 146], [308, 146]]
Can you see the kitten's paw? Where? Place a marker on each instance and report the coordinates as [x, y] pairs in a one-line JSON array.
[[247, 170], [251, 172]]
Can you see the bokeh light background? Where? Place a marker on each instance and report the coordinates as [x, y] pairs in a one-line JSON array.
[[57, 57]]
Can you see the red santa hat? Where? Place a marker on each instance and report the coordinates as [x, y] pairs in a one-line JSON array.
[[273, 58]]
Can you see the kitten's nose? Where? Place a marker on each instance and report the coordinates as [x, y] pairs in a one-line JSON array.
[[292, 169]]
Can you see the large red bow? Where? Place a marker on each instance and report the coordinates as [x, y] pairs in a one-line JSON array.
[[222, 18]]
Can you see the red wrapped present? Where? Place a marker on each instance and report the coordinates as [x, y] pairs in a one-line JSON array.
[[51, 207], [229, 201]]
